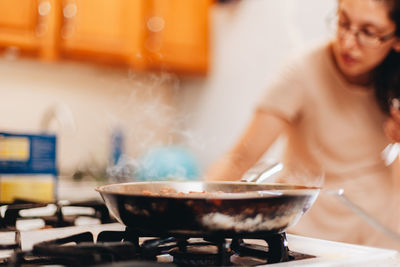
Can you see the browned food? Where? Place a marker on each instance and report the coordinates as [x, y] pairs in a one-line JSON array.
[[171, 192]]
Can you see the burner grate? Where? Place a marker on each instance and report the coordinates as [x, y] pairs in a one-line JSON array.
[[214, 250], [202, 254], [85, 252], [15, 244], [12, 213], [276, 251], [121, 247]]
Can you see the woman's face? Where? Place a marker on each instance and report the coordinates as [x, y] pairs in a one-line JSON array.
[[360, 21]]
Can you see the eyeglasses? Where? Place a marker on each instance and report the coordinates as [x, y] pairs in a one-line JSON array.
[[363, 36]]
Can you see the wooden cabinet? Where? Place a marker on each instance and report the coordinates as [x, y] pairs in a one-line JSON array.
[[146, 34], [177, 36], [103, 29], [18, 20], [31, 25]]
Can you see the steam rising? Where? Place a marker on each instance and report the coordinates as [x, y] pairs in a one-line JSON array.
[[152, 121]]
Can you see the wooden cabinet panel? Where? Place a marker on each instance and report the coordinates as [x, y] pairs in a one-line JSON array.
[[103, 27], [18, 21], [157, 34], [18, 15], [30, 25], [178, 33]]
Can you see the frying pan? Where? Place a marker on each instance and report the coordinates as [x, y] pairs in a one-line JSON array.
[[228, 208]]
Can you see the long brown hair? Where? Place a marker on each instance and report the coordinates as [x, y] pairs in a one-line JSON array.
[[387, 75]]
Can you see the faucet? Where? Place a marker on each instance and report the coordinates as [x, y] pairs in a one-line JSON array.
[[62, 114]]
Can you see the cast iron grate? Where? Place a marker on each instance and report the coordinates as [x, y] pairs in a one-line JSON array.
[[123, 248]]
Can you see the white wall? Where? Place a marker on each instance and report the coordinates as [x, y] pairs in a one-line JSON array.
[[250, 40], [86, 102]]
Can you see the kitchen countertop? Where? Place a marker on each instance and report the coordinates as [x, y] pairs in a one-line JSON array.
[[77, 191], [331, 253]]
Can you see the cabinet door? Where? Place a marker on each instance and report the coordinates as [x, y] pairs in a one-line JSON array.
[[178, 34], [18, 21], [30, 25], [103, 28]]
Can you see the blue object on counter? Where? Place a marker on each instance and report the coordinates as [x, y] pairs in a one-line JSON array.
[[117, 145], [28, 154], [168, 163]]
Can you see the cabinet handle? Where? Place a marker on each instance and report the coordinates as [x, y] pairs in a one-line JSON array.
[[70, 10], [44, 8], [156, 23]]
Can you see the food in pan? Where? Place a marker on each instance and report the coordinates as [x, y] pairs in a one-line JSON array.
[[168, 191]]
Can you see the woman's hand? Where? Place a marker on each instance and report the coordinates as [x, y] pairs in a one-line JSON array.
[[392, 124], [257, 138]]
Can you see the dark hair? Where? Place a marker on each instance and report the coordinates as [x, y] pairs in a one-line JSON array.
[[387, 74]]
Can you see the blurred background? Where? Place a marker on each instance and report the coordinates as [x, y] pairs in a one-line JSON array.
[[125, 84]]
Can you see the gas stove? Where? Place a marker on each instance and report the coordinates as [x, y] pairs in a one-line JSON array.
[[23, 215], [41, 247], [63, 242]]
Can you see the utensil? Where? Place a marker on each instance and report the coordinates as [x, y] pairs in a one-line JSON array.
[[269, 173], [228, 208], [362, 213]]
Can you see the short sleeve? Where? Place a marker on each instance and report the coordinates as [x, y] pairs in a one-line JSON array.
[[284, 95]]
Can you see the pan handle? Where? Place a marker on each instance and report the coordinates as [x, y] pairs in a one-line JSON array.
[[271, 170], [267, 172], [362, 213]]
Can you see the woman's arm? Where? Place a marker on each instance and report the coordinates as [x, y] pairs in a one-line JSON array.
[[263, 130]]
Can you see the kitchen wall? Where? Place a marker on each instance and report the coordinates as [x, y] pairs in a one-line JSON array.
[[84, 103]]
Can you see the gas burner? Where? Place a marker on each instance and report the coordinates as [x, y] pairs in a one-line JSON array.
[[120, 247], [202, 253], [14, 244], [211, 250], [85, 252], [10, 213], [79, 250], [51, 215], [276, 251], [123, 246]]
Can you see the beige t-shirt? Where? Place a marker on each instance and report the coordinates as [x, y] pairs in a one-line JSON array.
[[338, 126]]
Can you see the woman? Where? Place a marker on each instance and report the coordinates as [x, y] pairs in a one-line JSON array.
[[333, 105]]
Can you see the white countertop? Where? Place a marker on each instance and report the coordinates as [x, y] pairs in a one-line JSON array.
[[329, 253], [77, 191]]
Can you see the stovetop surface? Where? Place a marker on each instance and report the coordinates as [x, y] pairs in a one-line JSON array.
[[326, 253], [127, 244]]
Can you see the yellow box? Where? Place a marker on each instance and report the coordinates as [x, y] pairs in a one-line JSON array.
[[30, 188], [14, 148]]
